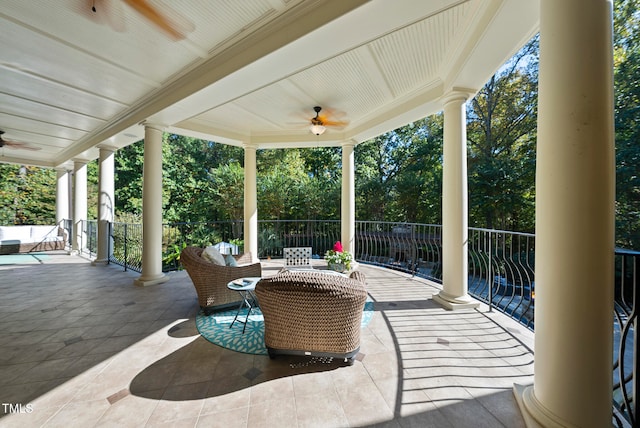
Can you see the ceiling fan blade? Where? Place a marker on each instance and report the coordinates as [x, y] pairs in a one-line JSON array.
[[16, 145], [327, 122], [170, 21], [336, 123]]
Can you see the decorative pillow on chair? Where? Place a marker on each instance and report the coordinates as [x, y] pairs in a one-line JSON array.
[[214, 256], [230, 260]]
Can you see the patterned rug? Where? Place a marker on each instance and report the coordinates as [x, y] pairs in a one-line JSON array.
[[216, 329], [23, 259]]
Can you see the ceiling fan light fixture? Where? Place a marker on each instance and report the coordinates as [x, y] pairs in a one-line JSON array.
[[317, 129]]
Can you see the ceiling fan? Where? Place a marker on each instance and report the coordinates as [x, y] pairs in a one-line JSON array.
[[15, 144], [320, 122], [163, 17]]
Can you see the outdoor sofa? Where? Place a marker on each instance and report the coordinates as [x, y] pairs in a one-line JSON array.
[[30, 238], [312, 312]]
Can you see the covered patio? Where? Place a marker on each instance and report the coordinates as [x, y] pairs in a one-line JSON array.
[[85, 347], [77, 85]]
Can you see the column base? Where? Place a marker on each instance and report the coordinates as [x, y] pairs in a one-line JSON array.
[[453, 304], [143, 282], [535, 415], [102, 262]]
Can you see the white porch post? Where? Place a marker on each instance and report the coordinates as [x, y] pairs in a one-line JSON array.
[[455, 277], [152, 208], [79, 206], [106, 202], [62, 195], [250, 202], [348, 202], [575, 193]]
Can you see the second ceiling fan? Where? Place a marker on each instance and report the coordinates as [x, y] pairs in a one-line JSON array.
[[319, 123]]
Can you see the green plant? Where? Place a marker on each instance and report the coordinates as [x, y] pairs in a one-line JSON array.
[[339, 257], [172, 257], [239, 243]]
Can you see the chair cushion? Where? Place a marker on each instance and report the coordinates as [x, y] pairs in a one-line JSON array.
[[212, 255], [230, 260]]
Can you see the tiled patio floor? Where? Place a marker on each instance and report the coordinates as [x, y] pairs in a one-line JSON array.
[[81, 346]]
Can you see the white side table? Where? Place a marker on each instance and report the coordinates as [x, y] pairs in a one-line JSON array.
[[246, 288]]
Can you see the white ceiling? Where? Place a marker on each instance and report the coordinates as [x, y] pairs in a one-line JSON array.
[[249, 72]]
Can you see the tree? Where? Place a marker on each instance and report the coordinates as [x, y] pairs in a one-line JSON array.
[[296, 184], [128, 179], [27, 195], [227, 183], [399, 174], [501, 133], [627, 117]]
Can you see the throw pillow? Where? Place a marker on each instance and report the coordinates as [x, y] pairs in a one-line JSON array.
[[214, 256], [230, 260]]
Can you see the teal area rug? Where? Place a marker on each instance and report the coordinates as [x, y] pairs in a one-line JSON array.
[[216, 329], [22, 259]]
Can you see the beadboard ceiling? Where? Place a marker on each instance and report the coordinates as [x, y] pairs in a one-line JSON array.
[[246, 72]]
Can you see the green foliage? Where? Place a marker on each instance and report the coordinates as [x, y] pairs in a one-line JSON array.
[[239, 243], [291, 189], [627, 117], [27, 195], [399, 174], [171, 256], [227, 184], [128, 179], [501, 133], [339, 258]]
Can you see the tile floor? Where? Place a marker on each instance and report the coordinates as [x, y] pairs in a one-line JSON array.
[[81, 346]]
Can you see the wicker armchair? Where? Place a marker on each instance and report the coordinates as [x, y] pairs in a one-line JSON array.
[[210, 280], [312, 313]]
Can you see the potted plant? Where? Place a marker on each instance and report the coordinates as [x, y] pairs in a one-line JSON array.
[[337, 259]]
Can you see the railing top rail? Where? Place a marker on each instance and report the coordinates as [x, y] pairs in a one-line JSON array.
[[299, 221], [480, 229], [626, 252], [176, 223], [396, 223]]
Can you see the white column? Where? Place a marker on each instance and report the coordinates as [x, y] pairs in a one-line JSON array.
[[348, 200], [152, 208], [455, 269], [575, 193], [79, 206], [250, 202], [62, 195], [106, 202]]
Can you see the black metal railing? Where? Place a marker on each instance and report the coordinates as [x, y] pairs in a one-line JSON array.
[[625, 382], [126, 245], [274, 235], [408, 247], [501, 271]]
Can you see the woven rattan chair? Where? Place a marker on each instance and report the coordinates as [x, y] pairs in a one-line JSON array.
[[210, 280], [312, 313]]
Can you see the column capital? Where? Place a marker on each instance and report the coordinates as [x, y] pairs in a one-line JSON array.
[[79, 163], [106, 148], [64, 168], [348, 143], [457, 94], [153, 125]]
